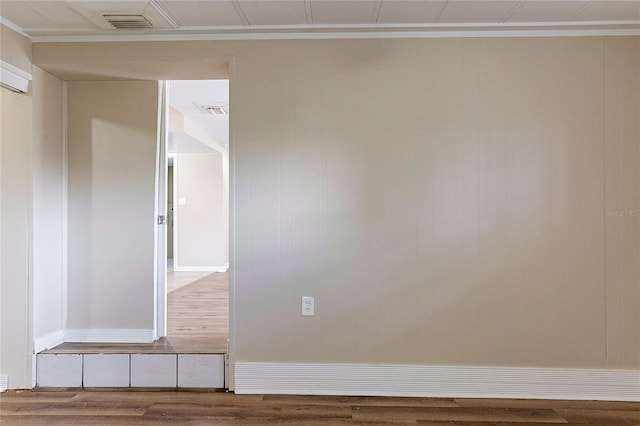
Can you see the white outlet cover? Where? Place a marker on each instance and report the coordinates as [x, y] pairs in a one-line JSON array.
[[182, 201], [308, 306]]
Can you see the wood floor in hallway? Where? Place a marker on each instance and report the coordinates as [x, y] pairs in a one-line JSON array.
[[198, 313], [197, 322]]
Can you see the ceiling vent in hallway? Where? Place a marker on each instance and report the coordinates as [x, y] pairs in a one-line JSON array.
[[128, 22]]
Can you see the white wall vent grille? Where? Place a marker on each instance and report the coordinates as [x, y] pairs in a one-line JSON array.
[[128, 22]]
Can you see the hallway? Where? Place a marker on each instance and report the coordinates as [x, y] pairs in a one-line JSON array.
[[198, 322], [198, 312], [191, 356]]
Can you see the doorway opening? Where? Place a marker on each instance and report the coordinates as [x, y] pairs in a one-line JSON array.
[[197, 213], [205, 361]]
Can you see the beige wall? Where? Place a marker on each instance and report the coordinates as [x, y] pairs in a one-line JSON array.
[[15, 236], [443, 199], [200, 223], [15, 219], [622, 196], [15, 48], [448, 203], [111, 156], [48, 187]]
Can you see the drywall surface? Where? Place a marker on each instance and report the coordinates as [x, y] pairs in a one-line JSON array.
[[201, 238], [111, 184], [444, 200], [15, 48], [15, 237], [622, 200], [48, 188], [15, 219]]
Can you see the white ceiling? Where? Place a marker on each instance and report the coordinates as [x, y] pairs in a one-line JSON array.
[[187, 96], [78, 18]]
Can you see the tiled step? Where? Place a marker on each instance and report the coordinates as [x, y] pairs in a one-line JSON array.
[[130, 370]]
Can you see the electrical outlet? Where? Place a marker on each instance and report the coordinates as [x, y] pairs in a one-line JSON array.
[[308, 308]]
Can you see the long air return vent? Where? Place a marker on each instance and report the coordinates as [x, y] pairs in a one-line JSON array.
[[128, 22]]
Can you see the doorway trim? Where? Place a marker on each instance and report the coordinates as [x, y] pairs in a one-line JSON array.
[[229, 358], [172, 215], [160, 228]]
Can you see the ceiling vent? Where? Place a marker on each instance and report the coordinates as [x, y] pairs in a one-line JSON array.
[[215, 109], [128, 22]]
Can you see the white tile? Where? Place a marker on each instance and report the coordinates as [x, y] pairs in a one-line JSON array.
[[547, 11], [197, 13], [611, 11], [409, 11], [59, 371], [46, 14], [99, 6], [153, 370], [477, 11], [274, 12], [106, 370], [201, 371], [343, 11]]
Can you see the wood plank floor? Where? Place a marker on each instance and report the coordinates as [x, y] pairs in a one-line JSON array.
[[200, 309], [200, 408], [197, 322], [176, 280]]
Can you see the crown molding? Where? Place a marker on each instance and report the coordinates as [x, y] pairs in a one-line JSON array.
[[14, 78], [378, 31], [7, 23]]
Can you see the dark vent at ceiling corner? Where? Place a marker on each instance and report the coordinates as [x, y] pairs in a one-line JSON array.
[[128, 22]]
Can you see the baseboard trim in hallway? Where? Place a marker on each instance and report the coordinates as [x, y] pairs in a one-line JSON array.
[[223, 268], [115, 335]]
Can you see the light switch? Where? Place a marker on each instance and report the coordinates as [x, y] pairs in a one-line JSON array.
[[307, 306], [182, 201]]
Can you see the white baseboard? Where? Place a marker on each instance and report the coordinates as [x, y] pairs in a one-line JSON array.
[[223, 268], [436, 381], [48, 341], [102, 335], [4, 383]]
